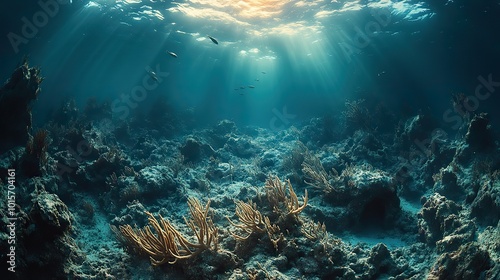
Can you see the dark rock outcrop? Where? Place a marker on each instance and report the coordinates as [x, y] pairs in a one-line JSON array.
[[15, 98], [479, 135]]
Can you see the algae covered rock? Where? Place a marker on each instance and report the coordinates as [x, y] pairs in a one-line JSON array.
[[50, 213], [468, 262]]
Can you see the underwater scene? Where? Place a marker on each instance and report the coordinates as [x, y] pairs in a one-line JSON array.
[[250, 139]]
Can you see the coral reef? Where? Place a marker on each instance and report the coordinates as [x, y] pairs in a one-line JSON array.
[[329, 198]]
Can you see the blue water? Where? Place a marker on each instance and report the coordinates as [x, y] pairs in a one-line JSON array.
[[302, 58]]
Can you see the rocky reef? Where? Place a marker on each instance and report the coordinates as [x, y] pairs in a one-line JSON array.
[[328, 198]]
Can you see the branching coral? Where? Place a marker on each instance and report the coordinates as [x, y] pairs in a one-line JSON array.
[[357, 115], [277, 196], [202, 226], [314, 231], [284, 203], [316, 174], [168, 244], [250, 218], [252, 221], [273, 232]]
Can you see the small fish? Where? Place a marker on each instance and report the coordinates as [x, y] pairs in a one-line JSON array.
[[263, 72], [213, 40], [172, 54], [251, 86], [153, 76], [257, 80], [242, 87]]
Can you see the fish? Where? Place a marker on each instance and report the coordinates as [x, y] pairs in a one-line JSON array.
[[257, 80], [153, 76], [263, 72], [172, 54], [242, 87], [251, 86], [213, 40]]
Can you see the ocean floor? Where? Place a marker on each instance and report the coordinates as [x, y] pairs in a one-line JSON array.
[[350, 196]]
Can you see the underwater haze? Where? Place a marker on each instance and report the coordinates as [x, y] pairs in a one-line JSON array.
[[315, 54], [251, 139]]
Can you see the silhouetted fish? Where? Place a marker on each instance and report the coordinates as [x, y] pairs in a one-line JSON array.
[[153, 76], [213, 40], [251, 86], [263, 72], [172, 54]]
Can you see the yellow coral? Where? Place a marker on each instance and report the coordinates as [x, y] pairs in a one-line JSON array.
[[277, 195], [169, 245], [250, 218]]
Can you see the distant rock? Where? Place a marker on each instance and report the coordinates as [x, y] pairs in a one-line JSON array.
[[479, 135], [195, 150], [241, 147], [156, 180], [191, 150], [415, 130]]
